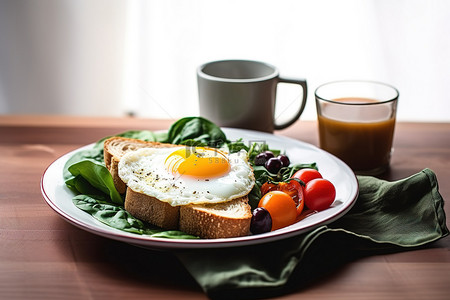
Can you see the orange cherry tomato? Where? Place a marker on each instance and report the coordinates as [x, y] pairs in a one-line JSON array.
[[281, 207], [293, 188]]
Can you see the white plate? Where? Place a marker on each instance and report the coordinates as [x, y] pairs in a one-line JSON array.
[[59, 197]]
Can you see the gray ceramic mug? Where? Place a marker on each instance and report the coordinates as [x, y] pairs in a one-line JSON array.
[[242, 94]]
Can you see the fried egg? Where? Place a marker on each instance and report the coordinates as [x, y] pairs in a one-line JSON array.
[[187, 175]]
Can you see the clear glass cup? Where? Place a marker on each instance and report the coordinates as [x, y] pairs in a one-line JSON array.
[[356, 123]]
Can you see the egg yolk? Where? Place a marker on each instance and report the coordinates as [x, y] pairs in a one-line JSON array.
[[198, 162]]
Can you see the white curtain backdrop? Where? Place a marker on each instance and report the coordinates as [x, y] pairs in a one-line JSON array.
[[140, 56], [61, 56]]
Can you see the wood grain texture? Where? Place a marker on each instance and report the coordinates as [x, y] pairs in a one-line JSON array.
[[44, 257]]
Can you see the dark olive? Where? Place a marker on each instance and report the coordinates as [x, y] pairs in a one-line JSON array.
[[284, 159], [269, 154], [261, 221], [263, 157], [273, 165]]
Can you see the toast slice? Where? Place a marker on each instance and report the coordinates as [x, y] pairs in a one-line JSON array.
[[221, 220], [208, 221], [116, 147]]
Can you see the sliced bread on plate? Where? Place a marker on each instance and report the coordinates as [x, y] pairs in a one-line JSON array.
[[220, 220]]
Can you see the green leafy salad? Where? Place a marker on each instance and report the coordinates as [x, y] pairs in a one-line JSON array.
[[86, 175]]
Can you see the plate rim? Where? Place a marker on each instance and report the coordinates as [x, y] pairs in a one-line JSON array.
[[167, 243]]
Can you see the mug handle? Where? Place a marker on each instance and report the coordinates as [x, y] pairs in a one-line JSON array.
[[302, 83]]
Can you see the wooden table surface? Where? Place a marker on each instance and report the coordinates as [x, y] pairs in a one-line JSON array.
[[44, 257]]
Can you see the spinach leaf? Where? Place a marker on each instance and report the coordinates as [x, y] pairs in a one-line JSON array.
[[236, 146], [172, 234], [109, 214], [192, 130], [93, 154], [97, 175], [79, 185], [117, 217], [254, 196], [262, 175]]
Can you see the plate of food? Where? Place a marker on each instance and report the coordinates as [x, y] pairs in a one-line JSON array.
[[199, 186]]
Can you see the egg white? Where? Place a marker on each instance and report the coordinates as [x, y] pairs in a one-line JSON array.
[[144, 171]]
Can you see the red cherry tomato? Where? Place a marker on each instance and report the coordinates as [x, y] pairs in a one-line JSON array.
[[281, 208], [319, 194], [306, 175], [300, 205], [267, 187], [292, 187]]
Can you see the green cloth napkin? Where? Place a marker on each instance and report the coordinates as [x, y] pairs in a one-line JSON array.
[[387, 217]]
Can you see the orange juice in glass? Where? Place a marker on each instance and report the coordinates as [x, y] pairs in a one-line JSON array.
[[356, 123]]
